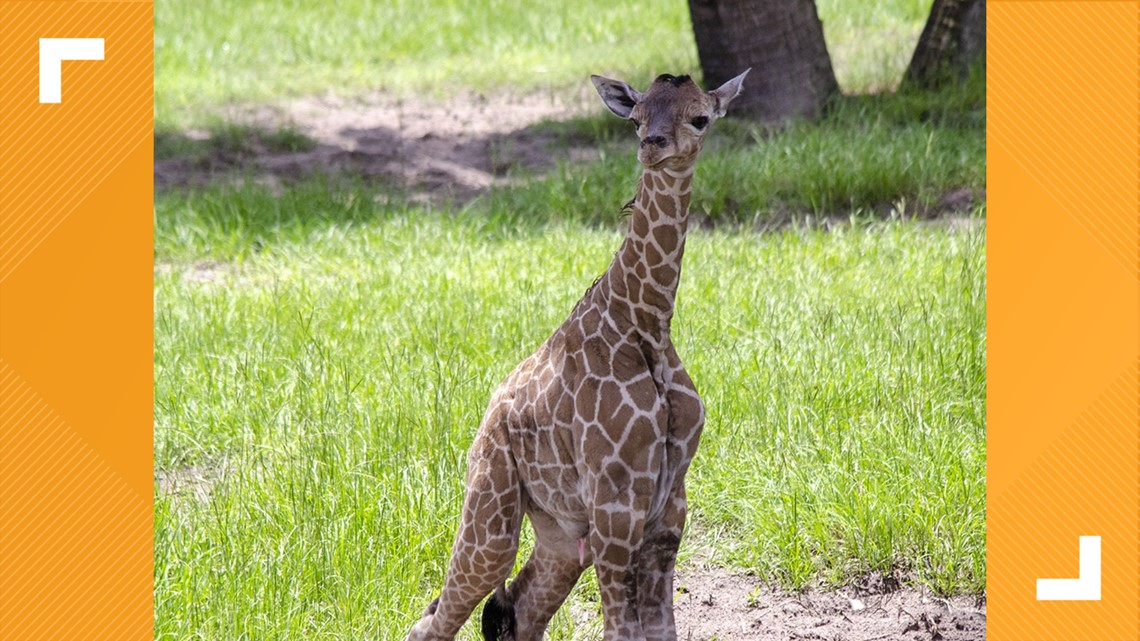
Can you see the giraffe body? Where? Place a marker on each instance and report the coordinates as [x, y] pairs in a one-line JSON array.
[[591, 436]]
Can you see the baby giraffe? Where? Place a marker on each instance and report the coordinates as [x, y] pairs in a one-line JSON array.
[[590, 437]]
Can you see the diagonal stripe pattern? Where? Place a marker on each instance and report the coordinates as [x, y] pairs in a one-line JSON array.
[[75, 541], [75, 315], [1063, 381], [74, 148], [1071, 490]]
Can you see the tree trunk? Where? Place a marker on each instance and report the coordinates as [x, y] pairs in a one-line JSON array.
[[781, 40], [952, 40]]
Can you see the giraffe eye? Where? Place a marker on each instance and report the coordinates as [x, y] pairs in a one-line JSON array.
[[700, 122]]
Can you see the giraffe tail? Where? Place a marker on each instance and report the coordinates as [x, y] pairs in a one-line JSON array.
[[499, 617]]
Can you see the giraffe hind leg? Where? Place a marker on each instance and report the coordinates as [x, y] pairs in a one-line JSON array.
[[487, 540], [523, 611]]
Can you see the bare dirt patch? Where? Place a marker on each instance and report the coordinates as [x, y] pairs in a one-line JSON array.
[[442, 150], [190, 482], [719, 604]]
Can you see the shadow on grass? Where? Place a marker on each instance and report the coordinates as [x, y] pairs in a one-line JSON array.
[[228, 141], [442, 153]]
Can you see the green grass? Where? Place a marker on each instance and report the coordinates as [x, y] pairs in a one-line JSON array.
[[325, 374], [229, 140], [871, 43], [212, 52], [209, 53]]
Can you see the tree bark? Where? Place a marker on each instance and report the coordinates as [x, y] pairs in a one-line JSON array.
[[953, 39], [781, 40]]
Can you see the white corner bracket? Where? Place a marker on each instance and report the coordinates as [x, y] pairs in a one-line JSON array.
[[1086, 587], [53, 51]]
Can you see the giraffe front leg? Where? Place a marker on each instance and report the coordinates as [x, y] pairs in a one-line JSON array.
[[487, 541], [614, 541], [656, 563]]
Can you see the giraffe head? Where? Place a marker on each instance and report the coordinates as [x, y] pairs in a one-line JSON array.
[[672, 116]]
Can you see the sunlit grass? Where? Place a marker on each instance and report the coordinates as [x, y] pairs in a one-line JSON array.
[[209, 53]]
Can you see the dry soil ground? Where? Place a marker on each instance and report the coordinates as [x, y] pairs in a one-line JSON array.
[[717, 604]]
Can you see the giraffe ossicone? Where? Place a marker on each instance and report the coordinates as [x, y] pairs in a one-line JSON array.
[[591, 436]]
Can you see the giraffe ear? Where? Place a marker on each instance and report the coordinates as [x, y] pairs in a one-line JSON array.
[[618, 96], [726, 92]]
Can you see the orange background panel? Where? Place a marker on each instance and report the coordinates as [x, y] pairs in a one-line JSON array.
[[76, 256], [1064, 313]]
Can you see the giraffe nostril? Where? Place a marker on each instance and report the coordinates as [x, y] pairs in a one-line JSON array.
[[656, 141]]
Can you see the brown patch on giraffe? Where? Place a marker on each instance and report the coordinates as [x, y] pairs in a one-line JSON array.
[[587, 399], [620, 310], [644, 396], [685, 197], [551, 476], [652, 257], [616, 555], [665, 204], [564, 409], [664, 274], [616, 411], [666, 237], [610, 398], [620, 523], [639, 226], [633, 287], [598, 444], [652, 212], [627, 360], [590, 322], [640, 444], [618, 475], [597, 356]]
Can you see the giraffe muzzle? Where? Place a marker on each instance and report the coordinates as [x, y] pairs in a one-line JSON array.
[[655, 149]]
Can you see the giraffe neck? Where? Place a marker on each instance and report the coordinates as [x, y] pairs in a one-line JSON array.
[[640, 286]]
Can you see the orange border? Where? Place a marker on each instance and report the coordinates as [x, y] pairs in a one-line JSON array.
[[75, 320], [1064, 314], [76, 455]]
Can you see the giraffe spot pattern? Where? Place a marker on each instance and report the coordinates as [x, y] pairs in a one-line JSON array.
[[591, 435]]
